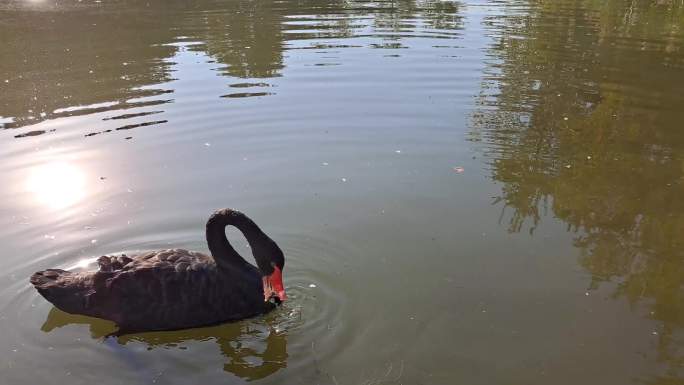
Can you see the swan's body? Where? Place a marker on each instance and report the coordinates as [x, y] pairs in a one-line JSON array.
[[176, 288]]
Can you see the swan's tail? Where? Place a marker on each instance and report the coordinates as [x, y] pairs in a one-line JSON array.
[[64, 289]]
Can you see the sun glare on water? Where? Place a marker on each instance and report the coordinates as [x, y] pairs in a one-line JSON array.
[[57, 185], [83, 264]]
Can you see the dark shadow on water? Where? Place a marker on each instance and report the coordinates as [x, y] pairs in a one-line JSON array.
[[252, 350]]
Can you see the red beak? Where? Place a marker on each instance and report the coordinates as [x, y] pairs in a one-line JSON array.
[[273, 285]]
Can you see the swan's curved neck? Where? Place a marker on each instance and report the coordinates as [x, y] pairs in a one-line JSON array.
[[224, 254]]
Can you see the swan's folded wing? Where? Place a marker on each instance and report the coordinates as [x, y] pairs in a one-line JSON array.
[[155, 279], [110, 263], [166, 293]]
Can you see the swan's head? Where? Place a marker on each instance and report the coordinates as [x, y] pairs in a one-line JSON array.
[[273, 286], [272, 273]]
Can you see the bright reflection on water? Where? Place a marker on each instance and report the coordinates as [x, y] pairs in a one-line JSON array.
[[57, 184], [484, 192]]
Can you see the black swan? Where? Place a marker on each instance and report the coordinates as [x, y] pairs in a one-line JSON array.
[[175, 289]]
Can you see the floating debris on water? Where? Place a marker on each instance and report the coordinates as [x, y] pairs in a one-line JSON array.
[[312, 285], [458, 169], [344, 179]]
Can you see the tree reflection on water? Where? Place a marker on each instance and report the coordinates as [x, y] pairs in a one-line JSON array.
[[573, 125]]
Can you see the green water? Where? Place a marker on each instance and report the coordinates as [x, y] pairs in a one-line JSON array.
[[486, 192]]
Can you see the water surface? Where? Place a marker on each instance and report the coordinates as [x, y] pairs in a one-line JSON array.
[[486, 192]]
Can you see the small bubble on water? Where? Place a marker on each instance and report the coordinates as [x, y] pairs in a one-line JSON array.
[[397, 151], [93, 241], [311, 285], [344, 179], [207, 144], [565, 118], [325, 163]]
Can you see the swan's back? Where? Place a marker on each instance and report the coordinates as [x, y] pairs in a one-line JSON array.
[[178, 259]]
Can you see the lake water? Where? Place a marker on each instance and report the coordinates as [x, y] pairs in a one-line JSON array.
[[486, 192]]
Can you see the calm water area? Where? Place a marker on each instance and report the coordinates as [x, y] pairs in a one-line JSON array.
[[466, 192]]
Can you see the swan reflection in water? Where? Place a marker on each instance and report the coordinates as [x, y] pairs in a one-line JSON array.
[[254, 350]]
